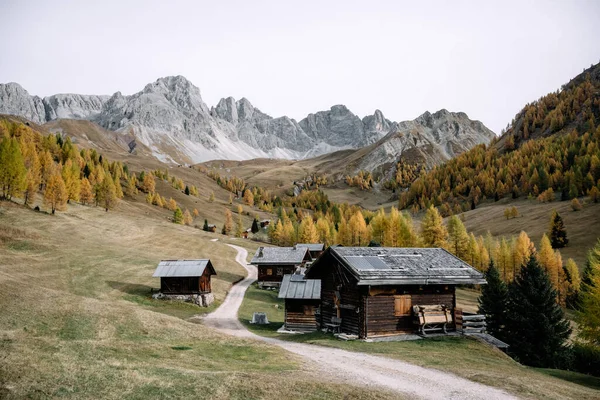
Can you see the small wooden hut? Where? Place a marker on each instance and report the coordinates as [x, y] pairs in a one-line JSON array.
[[275, 262], [373, 290], [302, 302], [184, 277]]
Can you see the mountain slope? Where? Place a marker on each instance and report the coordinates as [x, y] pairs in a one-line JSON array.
[[170, 118], [553, 143]]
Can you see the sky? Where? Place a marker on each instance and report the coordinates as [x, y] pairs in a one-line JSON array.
[[485, 58]]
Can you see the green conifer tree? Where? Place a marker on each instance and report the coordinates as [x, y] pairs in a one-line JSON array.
[[493, 301], [558, 233], [178, 216]]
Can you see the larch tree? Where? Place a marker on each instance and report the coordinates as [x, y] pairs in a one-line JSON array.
[[344, 235], [248, 197], [458, 238], [558, 233], [360, 235], [536, 328], [85, 192], [211, 198], [55, 194], [378, 226], [177, 216], [547, 260], [12, 169], [433, 230], [228, 226], [522, 250], [308, 231], [588, 316], [239, 226], [574, 282], [172, 204], [276, 232], [70, 175], [148, 183], [107, 194], [493, 302], [187, 217], [326, 231]]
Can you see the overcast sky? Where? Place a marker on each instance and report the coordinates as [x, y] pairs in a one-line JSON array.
[[485, 59]]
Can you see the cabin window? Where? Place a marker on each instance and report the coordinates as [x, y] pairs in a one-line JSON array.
[[269, 271], [402, 305]]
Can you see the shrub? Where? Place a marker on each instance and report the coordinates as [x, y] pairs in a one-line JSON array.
[[575, 205]]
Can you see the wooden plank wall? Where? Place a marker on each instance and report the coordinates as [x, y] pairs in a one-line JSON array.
[[300, 315]]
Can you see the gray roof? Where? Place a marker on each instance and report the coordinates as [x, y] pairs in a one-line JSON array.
[[182, 268], [279, 255], [297, 287], [404, 266], [312, 246]]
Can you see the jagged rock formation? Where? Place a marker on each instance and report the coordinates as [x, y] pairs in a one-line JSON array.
[[171, 119]]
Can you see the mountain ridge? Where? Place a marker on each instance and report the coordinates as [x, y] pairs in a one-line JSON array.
[[170, 117]]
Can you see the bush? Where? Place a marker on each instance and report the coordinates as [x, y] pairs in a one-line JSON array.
[[586, 359], [575, 205]]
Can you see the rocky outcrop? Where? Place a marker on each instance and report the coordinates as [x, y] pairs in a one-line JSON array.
[[170, 118]]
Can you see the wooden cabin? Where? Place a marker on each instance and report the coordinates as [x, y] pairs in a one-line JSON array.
[[373, 289], [302, 302], [265, 223], [315, 249], [212, 228], [183, 277], [275, 262]]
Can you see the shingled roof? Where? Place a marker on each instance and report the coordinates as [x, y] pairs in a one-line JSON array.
[[297, 287], [312, 246], [402, 266], [279, 255], [182, 268]]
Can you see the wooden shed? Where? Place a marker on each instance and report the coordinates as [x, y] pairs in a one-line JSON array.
[[315, 249], [373, 289], [275, 262], [302, 302], [185, 276]]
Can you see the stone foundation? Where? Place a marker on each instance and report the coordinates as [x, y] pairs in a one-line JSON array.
[[202, 300]]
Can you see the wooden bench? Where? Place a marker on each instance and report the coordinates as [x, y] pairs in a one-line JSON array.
[[432, 318], [334, 325]]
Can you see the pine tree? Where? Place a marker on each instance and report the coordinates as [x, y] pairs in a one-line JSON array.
[[254, 227], [535, 325], [432, 229], [205, 227], [55, 195], [187, 190], [558, 233], [458, 237], [177, 216], [588, 316], [493, 302]]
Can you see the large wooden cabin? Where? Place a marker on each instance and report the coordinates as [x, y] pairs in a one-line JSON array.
[[302, 302], [373, 289], [275, 262], [184, 277]]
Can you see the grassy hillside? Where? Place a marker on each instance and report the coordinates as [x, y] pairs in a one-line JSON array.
[[76, 320]]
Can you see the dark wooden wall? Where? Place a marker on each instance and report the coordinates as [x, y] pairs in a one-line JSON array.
[[380, 307], [301, 314], [263, 276], [187, 284]]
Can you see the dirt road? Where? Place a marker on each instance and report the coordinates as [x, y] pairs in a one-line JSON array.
[[354, 368]]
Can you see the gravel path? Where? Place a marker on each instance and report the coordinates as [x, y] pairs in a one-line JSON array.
[[353, 368]]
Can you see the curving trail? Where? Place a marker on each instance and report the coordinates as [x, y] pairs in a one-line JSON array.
[[350, 367]]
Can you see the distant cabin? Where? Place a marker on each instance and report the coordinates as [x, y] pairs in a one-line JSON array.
[[302, 302], [373, 289], [212, 228], [315, 249], [275, 262], [264, 223], [185, 276]]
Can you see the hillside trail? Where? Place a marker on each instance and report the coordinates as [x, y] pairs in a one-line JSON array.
[[348, 367]]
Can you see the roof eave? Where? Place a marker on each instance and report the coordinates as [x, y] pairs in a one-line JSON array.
[[421, 281]]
